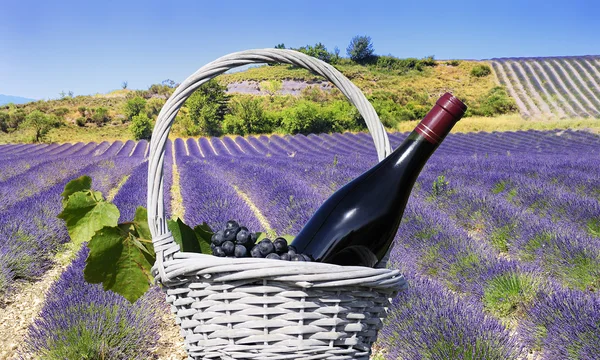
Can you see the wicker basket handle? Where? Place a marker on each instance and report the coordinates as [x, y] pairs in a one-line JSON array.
[[165, 247]]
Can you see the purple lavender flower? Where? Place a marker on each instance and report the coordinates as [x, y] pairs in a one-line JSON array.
[[81, 320]]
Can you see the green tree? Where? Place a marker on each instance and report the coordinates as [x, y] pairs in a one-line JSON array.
[[134, 107], [17, 117], [141, 127], [40, 123], [207, 107], [360, 48], [318, 50], [280, 46]]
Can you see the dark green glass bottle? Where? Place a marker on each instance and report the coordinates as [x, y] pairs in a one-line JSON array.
[[357, 224]]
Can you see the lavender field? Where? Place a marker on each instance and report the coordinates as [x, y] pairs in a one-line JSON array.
[[500, 241], [546, 87]]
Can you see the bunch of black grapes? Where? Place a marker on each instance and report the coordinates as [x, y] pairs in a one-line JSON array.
[[237, 241]]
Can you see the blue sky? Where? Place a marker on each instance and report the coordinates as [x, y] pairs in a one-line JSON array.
[[93, 46]]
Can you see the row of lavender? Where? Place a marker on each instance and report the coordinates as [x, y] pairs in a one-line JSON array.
[[553, 86], [506, 241], [460, 243]]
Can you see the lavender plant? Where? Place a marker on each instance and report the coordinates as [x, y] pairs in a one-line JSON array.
[[82, 321]]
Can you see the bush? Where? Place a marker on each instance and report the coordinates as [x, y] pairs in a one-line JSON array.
[[61, 112], [304, 118], [141, 127], [481, 70], [495, 102], [402, 66], [4, 120], [81, 121], [207, 107], [82, 110], [360, 49], [134, 107], [100, 116], [17, 118], [153, 107], [341, 116], [247, 117], [453, 62]]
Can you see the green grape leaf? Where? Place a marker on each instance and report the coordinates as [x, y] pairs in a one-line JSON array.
[[117, 260], [82, 183], [184, 236], [260, 236], [85, 213], [289, 238], [140, 221], [204, 234]]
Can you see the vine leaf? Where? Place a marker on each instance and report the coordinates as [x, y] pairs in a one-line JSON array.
[[140, 224], [116, 260], [85, 213], [184, 236], [82, 183], [204, 234]]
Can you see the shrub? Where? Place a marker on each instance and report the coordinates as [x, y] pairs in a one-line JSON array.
[[4, 121], [481, 70], [81, 121], [100, 116], [360, 49], [453, 62], [340, 116], [82, 110], [402, 66], [82, 321], [207, 107], [60, 112], [134, 107], [495, 102], [247, 117], [17, 118], [304, 118], [141, 127], [153, 107], [271, 87]]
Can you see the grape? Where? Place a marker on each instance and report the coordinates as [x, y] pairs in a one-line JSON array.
[[273, 256], [266, 247], [252, 239], [212, 246], [228, 247], [280, 245], [297, 258], [232, 224], [218, 251], [285, 256], [240, 251], [229, 234], [255, 252], [244, 228], [292, 250], [243, 237], [217, 238]]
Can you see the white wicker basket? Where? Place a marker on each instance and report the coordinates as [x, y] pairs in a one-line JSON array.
[[260, 308]]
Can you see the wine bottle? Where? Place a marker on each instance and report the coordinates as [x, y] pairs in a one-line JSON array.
[[357, 224]]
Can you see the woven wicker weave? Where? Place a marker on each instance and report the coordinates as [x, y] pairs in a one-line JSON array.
[[254, 308]]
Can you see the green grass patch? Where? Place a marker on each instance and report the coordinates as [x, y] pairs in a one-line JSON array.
[[507, 295], [499, 187], [500, 237], [593, 227], [583, 273], [542, 239]]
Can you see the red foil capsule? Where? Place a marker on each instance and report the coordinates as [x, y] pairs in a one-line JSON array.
[[437, 123]]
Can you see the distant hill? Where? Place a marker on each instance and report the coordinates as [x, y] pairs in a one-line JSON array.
[[552, 87], [7, 99]]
